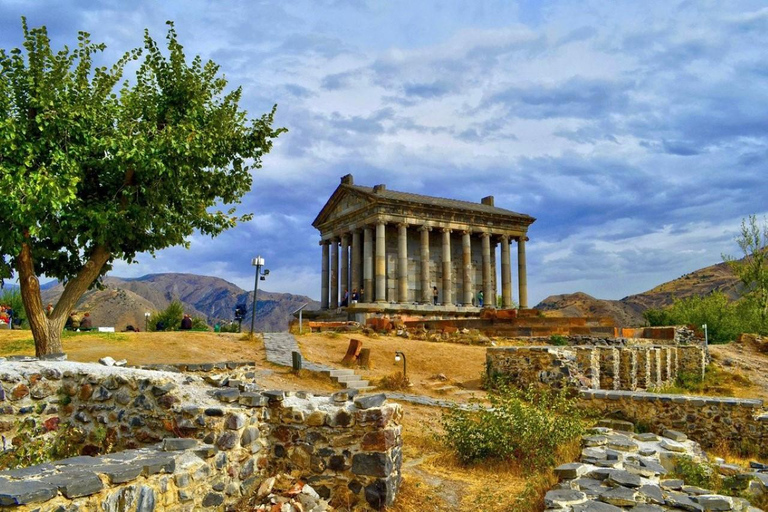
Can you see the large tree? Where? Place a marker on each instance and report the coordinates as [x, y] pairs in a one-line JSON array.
[[752, 269], [93, 169]]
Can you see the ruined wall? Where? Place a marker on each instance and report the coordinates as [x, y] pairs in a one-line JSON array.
[[710, 420], [613, 368], [339, 444]]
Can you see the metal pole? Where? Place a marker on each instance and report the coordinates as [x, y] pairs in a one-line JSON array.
[[405, 368], [300, 312], [255, 291]]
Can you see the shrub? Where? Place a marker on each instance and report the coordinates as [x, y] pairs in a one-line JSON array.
[[394, 382], [558, 340], [527, 427], [725, 319], [171, 319]]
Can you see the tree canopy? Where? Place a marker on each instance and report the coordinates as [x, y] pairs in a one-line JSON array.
[[95, 168]]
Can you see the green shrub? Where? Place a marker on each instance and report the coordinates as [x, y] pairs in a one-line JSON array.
[[725, 319], [700, 474], [558, 340], [527, 427], [171, 318]]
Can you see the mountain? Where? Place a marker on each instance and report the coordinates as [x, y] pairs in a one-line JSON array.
[[124, 301], [628, 311]]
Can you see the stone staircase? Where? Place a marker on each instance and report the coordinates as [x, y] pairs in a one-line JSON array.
[[348, 379]]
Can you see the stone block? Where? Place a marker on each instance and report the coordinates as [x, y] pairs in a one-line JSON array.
[[24, 492], [175, 444], [74, 484], [372, 464]]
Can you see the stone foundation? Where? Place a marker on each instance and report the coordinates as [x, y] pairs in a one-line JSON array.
[[623, 368], [234, 433]]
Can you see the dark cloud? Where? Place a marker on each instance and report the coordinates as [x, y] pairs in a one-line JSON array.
[[577, 97]]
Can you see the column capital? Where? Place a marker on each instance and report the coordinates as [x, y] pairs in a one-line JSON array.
[[446, 230], [324, 242], [485, 234], [402, 224], [425, 227], [466, 232], [344, 236]]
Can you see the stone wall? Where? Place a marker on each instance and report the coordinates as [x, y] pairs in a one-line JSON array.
[[710, 420], [613, 368], [341, 445]]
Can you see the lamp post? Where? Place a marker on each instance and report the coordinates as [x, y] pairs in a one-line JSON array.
[[146, 321], [257, 262], [398, 356]]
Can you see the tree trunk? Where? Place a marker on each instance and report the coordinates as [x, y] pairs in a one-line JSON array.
[[46, 330]]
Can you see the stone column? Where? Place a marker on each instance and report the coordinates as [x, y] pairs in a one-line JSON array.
[[381, 262], [356, 254], [402, 263], [426, 288], [368, 264], [506, 274], [488, 299], [344, 265], [447, 277], [334, 273], [522, 276], [466, 260], [324, 293]]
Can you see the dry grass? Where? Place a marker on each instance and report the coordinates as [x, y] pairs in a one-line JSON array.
[[434, 479], [463, 365]]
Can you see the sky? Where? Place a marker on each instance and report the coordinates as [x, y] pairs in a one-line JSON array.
[[635, 132]]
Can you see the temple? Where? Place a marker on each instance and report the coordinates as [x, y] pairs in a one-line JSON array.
[[397, 247]]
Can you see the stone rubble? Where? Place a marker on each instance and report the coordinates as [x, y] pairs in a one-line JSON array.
[[620, 470], [287, 494]]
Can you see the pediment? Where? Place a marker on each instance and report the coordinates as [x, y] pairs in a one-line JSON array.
[[342, 202]]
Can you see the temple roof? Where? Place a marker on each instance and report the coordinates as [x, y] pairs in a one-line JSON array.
[[434, 201], [348, 198]]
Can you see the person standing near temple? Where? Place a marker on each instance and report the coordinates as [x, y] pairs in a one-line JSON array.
[[434, 295], [186, 322], [480, 298]]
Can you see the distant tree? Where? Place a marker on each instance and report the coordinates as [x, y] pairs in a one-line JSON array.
[[752, 269], [92, 171]]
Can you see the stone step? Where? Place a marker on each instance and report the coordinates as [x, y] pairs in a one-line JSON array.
[[338, 373], [346, 378], [358, 384]]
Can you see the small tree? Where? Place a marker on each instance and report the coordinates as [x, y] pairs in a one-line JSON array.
[[90, 173], [752, 269]]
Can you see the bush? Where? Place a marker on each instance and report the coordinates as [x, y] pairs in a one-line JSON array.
[[525, 427], [725, 319], [394, 382], [171, 319], [558, 340], [31, 448]]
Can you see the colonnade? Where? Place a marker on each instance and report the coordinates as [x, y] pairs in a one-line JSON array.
[[342, 271]]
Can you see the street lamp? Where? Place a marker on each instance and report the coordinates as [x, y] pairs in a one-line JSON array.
[[146, 321], [398, 356], [257, 262]]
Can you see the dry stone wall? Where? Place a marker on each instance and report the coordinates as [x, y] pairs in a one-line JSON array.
[[233, 437], [710, 420]]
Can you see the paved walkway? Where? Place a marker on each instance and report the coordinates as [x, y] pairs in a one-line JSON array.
[[279, 346]]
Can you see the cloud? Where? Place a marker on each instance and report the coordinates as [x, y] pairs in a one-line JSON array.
[[637, 134]]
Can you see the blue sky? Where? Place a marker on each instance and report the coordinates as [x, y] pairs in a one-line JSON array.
[[636, 132]]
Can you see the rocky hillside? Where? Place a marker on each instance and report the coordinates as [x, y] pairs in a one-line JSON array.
[[629, 310], [124, 301]]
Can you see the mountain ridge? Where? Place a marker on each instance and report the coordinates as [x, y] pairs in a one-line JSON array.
[[628, 311], [124, 301]]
